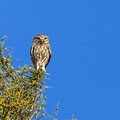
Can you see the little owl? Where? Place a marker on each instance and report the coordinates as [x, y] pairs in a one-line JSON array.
[[40, 52]]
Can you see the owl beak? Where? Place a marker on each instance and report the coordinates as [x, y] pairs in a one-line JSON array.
[[42, 40]]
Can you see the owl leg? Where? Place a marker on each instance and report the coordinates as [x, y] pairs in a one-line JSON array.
[[38, 65], [43, 69], [41, 66]]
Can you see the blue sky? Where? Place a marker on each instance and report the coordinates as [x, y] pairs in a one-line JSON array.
[[85, 42]]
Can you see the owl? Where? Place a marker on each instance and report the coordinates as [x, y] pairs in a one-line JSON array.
[[40, 52]]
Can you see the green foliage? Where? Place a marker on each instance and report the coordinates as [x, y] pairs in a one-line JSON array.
[[21, 91], [74, 117]]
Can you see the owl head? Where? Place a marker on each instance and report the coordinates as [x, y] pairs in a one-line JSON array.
[[41, 39]]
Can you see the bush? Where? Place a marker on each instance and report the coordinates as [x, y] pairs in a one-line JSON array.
[[21, 91]]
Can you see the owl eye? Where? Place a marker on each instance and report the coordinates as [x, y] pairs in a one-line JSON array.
[[45, 38], [37, 37]]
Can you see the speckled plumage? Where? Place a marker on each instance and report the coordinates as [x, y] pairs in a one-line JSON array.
[[40, 52]]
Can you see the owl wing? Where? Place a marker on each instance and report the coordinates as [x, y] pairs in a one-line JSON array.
[[32, 55], [49, 53]]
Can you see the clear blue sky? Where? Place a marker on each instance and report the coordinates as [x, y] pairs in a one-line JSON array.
[[85, 42]]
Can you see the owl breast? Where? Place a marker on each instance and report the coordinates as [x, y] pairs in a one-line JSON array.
[[41, 54]]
